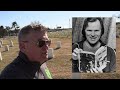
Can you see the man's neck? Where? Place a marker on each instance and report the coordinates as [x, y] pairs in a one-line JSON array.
[[88, 47]]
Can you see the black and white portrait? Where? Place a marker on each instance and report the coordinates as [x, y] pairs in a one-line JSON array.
[[93, 44]]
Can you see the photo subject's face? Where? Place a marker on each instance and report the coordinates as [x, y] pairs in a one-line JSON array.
[[93, 32]]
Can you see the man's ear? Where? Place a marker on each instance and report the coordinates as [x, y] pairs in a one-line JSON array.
[[22, 46]]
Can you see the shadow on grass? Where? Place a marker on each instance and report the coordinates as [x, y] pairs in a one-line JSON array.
[[50, 58], [56, 48], [4, 51]]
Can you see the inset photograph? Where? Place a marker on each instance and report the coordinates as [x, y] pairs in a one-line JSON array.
[[93, 44]]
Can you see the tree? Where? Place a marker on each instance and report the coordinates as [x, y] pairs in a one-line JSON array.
[[35, 23], [3, 32], [8, 30], [14, 24], [15, 28]]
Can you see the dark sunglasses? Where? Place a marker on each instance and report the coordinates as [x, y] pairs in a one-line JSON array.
[[41, 43]]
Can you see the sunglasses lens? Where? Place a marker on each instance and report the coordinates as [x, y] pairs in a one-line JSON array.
[[42, 43]]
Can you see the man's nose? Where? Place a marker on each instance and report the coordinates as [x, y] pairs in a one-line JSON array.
[[92, 33], [45, 47]]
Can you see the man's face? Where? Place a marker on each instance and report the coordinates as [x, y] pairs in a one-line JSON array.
[[33, 51], [93, 32]]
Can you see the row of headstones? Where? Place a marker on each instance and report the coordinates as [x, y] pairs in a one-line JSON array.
[[11, 43], [50, 50], [6, 47]]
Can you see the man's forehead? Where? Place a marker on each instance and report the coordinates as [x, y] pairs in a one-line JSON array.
[[39, 35], [45, 37], [93, 25]]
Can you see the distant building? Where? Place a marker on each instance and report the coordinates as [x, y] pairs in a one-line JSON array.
[[59, 27]]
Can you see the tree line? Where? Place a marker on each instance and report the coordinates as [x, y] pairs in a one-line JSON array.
[[9, 31]]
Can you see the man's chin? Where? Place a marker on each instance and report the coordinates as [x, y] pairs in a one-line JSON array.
[[93, 43], [43, 61], [45, 58]]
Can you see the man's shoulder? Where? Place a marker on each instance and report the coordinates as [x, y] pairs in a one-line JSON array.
[[10, 71], [109, 49], [111, 54]]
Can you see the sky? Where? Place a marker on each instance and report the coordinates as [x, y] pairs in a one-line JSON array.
[[50, 19]]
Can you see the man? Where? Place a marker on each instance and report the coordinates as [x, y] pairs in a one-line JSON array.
[[33, 45], [92, 31]]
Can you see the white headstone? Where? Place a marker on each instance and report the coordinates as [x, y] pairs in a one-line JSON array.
[[51, 40], [6, 48], [11, 43], [0, 56], [58, 44], [1, 41], [76, 76], [50, 53], [0, 44]]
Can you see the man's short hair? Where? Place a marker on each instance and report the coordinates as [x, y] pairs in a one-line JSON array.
[[30, 28], [87, 20]]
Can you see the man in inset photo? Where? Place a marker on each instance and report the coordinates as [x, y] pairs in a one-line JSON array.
[[92, 54]]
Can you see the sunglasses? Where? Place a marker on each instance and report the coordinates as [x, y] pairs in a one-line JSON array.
[[41, 43]]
